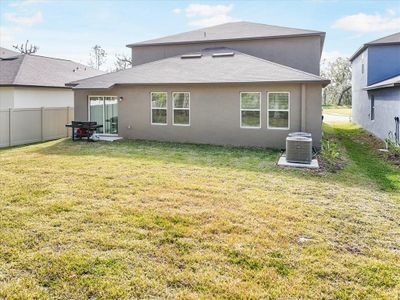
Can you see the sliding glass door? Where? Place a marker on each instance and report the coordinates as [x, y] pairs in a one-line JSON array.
[[104, 111]]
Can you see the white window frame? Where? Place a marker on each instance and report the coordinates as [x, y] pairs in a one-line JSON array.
[[165, 108], [88, 109], [285, 110], [177, 108], [249, 109]]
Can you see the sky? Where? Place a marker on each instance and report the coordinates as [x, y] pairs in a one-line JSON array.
[[70, 28]]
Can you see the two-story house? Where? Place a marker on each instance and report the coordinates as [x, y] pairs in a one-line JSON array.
[[376, 86], [238, 83]]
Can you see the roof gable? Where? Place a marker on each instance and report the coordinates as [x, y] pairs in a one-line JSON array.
[[392, 39], [229, 31], [232, 67], [5, 53]]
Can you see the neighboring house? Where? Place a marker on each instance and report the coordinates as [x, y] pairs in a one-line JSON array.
[[238, 83], [31, 81], [376, 86]]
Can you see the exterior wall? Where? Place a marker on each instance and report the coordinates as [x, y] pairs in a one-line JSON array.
[[387, 106], [303, 53], [360, 101], [214, 114], [383, 62], [36, 97], [6, 97]]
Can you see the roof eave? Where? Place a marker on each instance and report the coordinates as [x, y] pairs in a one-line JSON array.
[[323, 82], [384, 86], [33, 85], [367, 45], [143, 44]]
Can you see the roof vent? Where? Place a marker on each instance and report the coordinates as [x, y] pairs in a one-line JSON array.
[[197, 55], [223, 54]]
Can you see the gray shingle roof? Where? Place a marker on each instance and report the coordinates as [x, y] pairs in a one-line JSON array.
[[4, 53], [230, 31], [34, 70], [391, 82], [239, 68], [392, 39]]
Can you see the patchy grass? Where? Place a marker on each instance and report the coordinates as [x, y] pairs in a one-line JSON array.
[[138, 219]]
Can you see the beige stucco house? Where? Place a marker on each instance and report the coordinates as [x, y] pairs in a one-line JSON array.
[[239, 83]]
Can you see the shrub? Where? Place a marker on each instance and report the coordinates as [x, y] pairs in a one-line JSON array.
[[330, 155]]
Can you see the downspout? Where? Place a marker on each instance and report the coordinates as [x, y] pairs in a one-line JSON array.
[[303, 108]]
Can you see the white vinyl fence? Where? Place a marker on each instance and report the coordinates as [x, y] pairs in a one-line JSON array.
[[28, 125]]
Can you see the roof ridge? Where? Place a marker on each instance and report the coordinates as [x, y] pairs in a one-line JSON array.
[[19, 69], [384, 37]]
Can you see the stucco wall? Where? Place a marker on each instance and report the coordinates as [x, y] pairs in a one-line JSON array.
[[360, 101], [214, 114], [387, 106], [34, 97], [301, 53], [383, 62], [6, 97]]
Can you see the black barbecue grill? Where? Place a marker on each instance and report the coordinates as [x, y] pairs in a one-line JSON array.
[[83, 129]]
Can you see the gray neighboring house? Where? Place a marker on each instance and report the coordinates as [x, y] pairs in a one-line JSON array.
[[241, 83], [376, 86], [33, 81]]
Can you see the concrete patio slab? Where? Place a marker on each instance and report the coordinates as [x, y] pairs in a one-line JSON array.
[[282, 162]]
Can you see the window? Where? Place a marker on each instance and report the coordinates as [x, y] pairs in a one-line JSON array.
[[372, 113], [158, 108], [278, 110], [250, 107], [181, 105]]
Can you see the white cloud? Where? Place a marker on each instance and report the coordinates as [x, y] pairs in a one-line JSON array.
[[7, 35], [202, 15], [369, 23], [205, 10], [177, 10], [26, 2], [23, 20], [330, 56], [211, 21]]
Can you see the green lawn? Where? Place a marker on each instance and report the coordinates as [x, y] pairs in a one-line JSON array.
[[137, 219]]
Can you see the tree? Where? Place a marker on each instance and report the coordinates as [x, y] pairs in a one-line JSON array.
[[339, 90], [97, 57], [122, 62], [25, 49]]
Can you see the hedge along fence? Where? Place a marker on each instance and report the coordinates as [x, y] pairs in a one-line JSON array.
[[29, 125]]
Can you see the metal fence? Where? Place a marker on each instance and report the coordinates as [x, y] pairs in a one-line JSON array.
[[28, 125]]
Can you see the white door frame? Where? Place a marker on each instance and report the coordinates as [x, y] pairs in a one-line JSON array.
[[104, 121]]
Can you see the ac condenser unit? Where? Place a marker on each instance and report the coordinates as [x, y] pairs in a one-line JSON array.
[[299, 149]]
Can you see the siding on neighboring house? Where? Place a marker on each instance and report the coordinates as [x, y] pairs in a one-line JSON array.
[[360, 102], [383, 62], [35, 97], [214, 113], [302, 53], [6, 97], [387, 106]]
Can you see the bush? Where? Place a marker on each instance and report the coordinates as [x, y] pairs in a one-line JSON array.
[[393, 153], [330, 155]]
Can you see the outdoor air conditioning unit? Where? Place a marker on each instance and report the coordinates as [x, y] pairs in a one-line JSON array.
[[299, 148]]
